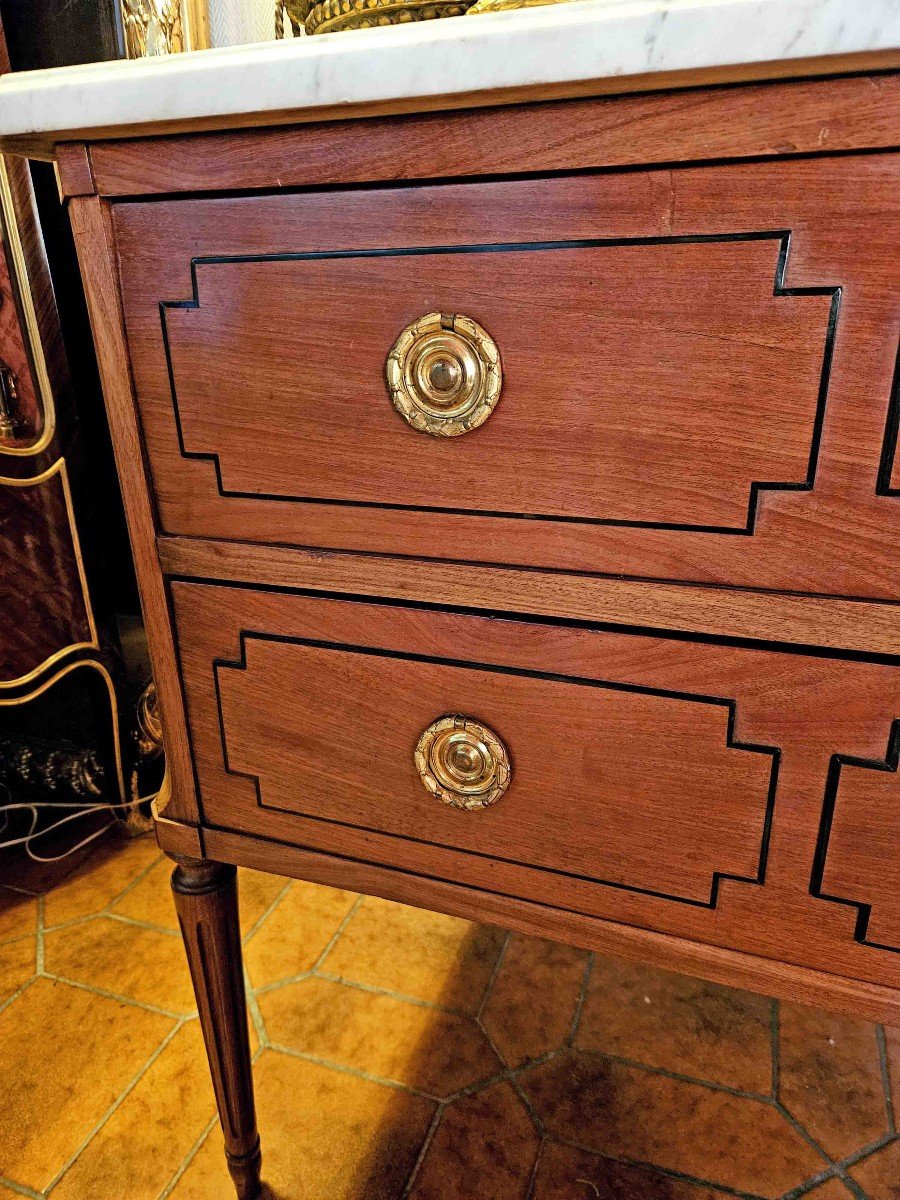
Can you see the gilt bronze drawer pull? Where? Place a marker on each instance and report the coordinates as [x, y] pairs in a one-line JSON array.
[[444, 374], [463, 763]]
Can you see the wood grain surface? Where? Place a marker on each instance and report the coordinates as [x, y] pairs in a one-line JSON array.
[[864, 626], [697, 124], [642, 408], [305, 711], [732, 968]]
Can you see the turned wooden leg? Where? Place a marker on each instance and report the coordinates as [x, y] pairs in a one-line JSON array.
[[206, 900]]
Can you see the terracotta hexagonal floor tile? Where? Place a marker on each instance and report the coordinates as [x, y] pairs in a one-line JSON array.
[[643, 1117], [832, 1190], [534, 998], [568, 1174], [417, 953], [892, 1043], [879, 1174], [294, 935], [127, 960], [484, 1149], [678, 1023], [18, 914], [17, 965], [326, 1135], [147, 1138], [100, 879], [70, 1054], [830, 1078], [151, 899], [436, 1052]]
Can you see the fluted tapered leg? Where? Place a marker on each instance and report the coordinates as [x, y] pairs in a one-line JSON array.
[[206, 900]]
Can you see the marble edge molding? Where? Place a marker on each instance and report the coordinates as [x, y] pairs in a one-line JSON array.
[[564, 45]]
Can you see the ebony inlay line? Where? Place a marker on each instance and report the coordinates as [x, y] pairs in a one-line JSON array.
[[783, 237]]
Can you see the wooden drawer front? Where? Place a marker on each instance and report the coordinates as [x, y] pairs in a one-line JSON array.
[[637, 380], [858, 859], [677, 399], [658, 781]]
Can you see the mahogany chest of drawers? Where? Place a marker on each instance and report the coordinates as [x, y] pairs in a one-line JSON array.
[[514, 493]]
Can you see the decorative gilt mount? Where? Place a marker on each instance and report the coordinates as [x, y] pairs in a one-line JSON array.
[[444, 374], [463, 763]]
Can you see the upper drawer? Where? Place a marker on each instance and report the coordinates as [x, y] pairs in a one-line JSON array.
[[646, 371]]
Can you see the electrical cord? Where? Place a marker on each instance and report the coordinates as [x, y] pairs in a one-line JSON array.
[[83, 810]]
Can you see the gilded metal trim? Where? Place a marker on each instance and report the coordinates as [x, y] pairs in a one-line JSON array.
[[444, 374], [333, 16], [463, 763], [114, 709], [19, 269], [58, 467]]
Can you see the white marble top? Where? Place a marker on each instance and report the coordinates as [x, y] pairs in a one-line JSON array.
[[564, 49]]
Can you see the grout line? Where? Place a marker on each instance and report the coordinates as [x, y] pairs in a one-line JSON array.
[[254, 928], [116, 1104], [489, 987], [802, 1130], [255, 1014], [775, 1022], [759, 1097], [337, 933], [661, 1172], [525, 1101], [22, 937], [188, 1159], [889, 1099], [21, 891], [809, 1185], [532, 1181], [113, 916], [96, 991], [423, 1149], [139, 878], [74, 922], [17, 993], [380, 991], [582, 997], [355, 1071], [20, 1189], [265, 988]]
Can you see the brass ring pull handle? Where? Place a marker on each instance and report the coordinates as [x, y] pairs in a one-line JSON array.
[[463, 763], [444, 374]]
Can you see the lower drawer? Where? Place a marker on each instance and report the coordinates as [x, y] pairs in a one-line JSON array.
[[688, 786]]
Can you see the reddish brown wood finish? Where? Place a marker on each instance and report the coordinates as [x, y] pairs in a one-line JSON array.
[[858, 859], [255, 701], [731, 967], [206, 899], [641, 393], [764, 616], [840, 538], [278, 370], [94, 241], [697, 124]]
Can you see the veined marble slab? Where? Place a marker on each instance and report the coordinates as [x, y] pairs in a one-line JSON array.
[[565, 49]]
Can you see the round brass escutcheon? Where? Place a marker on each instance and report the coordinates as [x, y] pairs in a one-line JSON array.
[[463, 763], [444, 374]]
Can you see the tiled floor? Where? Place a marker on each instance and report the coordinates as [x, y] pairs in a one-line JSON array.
[[402, 1055]]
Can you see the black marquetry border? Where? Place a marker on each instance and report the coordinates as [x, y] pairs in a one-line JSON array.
[[783, 237], [578, 681], [890, 763], [891, 437]]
